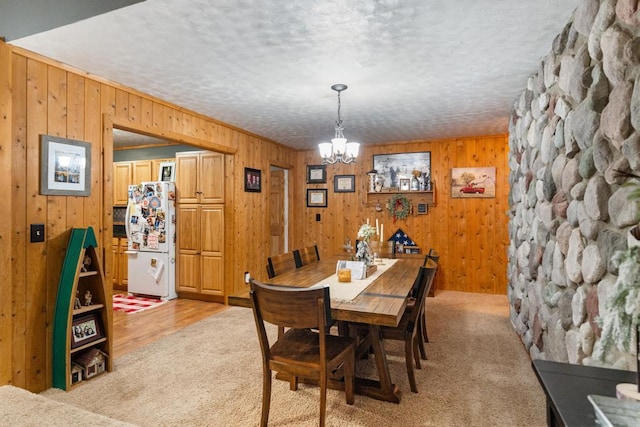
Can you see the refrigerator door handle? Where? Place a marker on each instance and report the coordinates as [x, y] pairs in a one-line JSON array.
[[127, 221]]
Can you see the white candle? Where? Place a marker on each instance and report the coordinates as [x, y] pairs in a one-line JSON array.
[[367, 221], [381, 232], [377, 229]]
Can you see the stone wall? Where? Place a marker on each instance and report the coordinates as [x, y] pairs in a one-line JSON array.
[[574, 132]]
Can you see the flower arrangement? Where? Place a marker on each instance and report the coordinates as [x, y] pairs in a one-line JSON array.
[[366, 231], [399, 207]]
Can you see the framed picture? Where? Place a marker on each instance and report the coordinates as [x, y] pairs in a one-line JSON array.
[[85, 329], [167, 171], [391, 168], [252, 180], [344, 184], [65, 166], [423, 209], [473, 182], [404, 184], [316, 174], [316, 198]]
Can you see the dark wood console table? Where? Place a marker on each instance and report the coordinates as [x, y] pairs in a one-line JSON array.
[[566, 387]]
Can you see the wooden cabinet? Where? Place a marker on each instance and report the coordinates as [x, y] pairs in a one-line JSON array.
[[120, 264], [200, 249], [82, 339], [200, 177], [127, 173]]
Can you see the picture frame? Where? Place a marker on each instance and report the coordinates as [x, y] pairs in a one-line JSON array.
[[423, 209], [167, 171], [391, 168], [344, 184], [252, 180], [316, 197], [404, 184], [476, 182], [85, 329], [316, 174], [65, 166]]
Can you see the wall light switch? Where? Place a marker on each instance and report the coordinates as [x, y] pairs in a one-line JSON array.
[[317, 217], [37, 233]]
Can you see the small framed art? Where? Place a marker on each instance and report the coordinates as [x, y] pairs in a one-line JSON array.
[[167, 171], [316, 198], [404, 185], [344, 183], [65, 166], [85, 329], [252, 180], [316, 174]]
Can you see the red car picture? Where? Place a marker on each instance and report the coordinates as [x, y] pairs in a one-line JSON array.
[[471, 188]]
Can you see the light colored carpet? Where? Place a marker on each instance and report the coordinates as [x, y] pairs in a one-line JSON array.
[[210, 374]]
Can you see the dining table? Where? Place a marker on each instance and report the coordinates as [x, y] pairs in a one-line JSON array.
[[381, 303]]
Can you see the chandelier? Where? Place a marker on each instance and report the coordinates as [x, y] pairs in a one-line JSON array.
[[338, 150]]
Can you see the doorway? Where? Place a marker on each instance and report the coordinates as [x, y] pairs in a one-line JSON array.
[[278, 210]]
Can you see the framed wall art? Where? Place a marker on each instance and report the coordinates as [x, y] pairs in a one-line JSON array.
[[473, 182], [344, 183], [167, 171], [391, 168], [252, 180], [316, 174], [85, 329], [316, 198], [65, 166]]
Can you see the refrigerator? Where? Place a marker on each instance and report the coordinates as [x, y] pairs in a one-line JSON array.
[[150, 225]]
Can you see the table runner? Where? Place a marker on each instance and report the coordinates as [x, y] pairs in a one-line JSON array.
[[347, 291]]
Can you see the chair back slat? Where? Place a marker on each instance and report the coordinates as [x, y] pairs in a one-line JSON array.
[[306, 255], [385, 249], [289, 306], [278, 264], [422, 284]]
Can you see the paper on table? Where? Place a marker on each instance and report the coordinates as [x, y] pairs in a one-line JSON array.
[[347, 291]]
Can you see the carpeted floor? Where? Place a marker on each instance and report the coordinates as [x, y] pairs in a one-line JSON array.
[[210, 374]]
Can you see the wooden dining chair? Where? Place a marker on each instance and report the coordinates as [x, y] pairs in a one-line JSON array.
[[433, 255], [385, 249], [408, 330], [306, 255], [278, 264], [307, 349]]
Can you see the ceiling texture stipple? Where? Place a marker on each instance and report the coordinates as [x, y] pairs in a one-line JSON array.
[[416, 69]]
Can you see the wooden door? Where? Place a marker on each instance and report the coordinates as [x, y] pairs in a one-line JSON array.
[[188, 270], [211, 178], [123, 265], [121, 180], [276, 211], [187, 178], [212, 247]]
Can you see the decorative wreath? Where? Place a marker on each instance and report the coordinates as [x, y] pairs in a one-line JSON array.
[[399, 207]]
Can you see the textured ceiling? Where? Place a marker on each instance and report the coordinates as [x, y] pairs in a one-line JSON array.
[[416, 69]]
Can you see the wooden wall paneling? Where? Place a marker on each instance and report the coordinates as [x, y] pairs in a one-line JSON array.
[[108, 100], [146, 112], [93, 134], [75, 130], [12, 135], [57, 212], [122, 104], [134, 108], [234, 253], [37, 254], [500, 218]]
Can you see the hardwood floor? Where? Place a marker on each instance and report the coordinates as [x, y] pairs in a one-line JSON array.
[[131, 331]]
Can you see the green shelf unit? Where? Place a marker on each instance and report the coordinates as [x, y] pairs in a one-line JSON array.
[[82, 244]]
